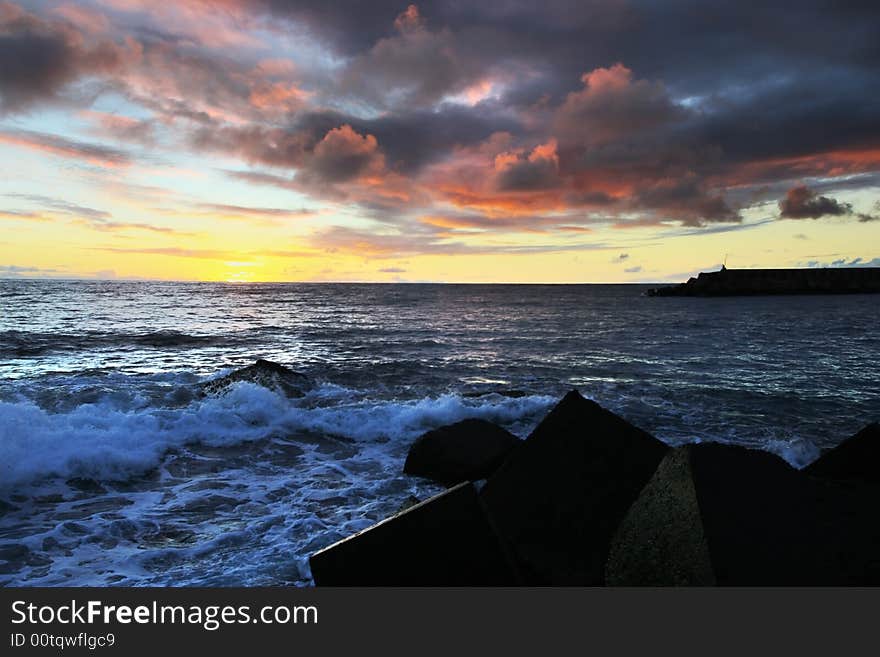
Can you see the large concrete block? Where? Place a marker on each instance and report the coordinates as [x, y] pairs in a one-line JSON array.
[[733, 516], [560, 496], [856, 458], [660, 541], [444, 541]]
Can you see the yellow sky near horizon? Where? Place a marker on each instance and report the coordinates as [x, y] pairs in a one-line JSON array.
[[223, 250]]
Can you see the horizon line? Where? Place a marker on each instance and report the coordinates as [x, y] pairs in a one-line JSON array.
[[340, 282], [369, 282]]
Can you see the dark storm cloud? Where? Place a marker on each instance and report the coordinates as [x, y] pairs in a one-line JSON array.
[[659, 39], [806, 114], [258, 144], [34, 66], [416, 67], [529, 175], [509, 115], [413, 139], [613, 105], [41, 57], [803, 203], [408, 140], [680, 112], [687, 200], [796, 90]]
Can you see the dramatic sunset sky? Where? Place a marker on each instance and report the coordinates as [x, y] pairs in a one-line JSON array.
[[570, 141]]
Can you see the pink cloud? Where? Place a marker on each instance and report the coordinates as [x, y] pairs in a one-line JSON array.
[[103, 156], [84, 18]]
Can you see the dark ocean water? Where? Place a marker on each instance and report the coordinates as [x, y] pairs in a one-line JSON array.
[[112, 471]]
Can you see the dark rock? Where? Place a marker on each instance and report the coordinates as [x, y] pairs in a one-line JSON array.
[[760, 521], [264, 373], [465, 451], [559, 498], [858, 457], [446, 540]]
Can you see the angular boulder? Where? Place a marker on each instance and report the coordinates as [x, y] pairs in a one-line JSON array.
[[857, 458], [726, 515], [263, 373], [446, 540], [558, 499], [465, 451]]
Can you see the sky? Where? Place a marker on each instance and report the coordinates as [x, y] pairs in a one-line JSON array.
[[505, 141]]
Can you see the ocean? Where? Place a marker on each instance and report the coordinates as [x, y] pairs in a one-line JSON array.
[[115, 471]]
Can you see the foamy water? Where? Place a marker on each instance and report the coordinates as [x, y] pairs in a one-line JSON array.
[[115, 470]]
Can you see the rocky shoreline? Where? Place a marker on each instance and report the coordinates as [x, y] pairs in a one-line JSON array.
[[588, 499], [748, 282]]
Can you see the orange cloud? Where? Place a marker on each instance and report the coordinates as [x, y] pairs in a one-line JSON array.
[[276, 96], [409, 20], [844, 162]]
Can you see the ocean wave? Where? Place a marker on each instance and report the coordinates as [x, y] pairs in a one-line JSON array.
[[27, 344], [799, 452], [110, 440], [170, 339]]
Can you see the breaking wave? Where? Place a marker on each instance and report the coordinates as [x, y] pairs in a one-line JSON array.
[[116, 438]]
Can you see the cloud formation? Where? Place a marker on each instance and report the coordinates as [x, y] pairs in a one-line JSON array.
[[97, 154], [438, 123], [43, 55], [801, 202]]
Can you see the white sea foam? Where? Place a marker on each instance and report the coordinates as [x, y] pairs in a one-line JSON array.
[[116, 438], [798, 452]]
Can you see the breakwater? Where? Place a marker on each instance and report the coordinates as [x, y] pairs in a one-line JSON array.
[[734, 282]]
